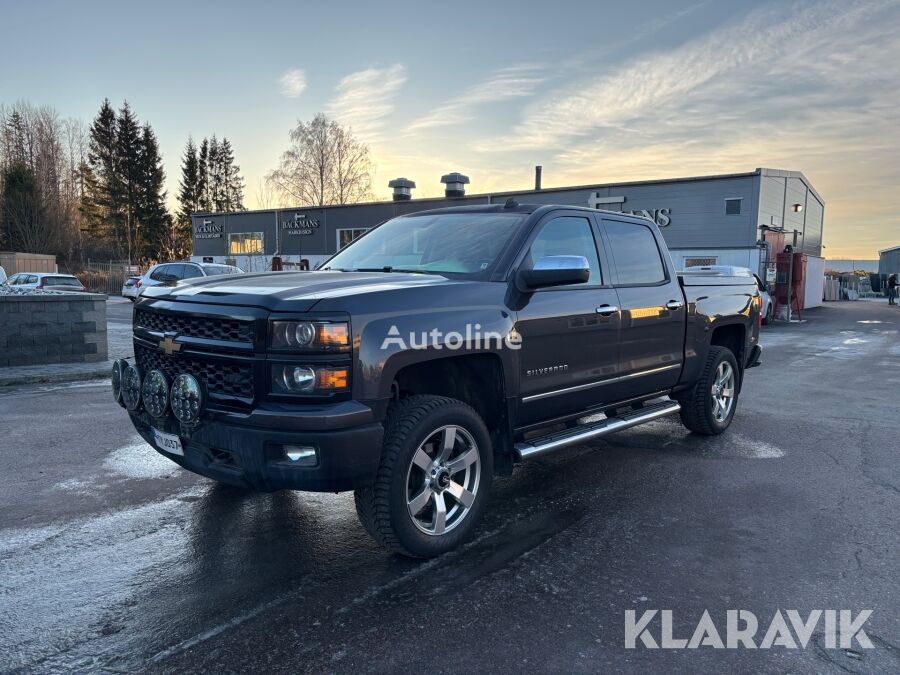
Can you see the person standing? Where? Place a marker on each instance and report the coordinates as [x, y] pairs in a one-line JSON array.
[[892, 289]]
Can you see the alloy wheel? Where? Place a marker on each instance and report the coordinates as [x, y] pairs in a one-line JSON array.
[[442, 480], [723, 392]]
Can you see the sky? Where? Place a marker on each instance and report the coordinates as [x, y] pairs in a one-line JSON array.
[[593, 91]]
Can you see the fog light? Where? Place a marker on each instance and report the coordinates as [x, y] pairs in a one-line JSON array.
[[155, 392], [187, 399], [295, 379], [118, 370], [131, 387], [303, 455]]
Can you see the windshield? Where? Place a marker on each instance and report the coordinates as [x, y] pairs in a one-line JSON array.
[[451, 243]]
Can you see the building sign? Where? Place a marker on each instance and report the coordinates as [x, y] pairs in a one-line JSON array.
[[662, 217], [301, 225], [208, 229]]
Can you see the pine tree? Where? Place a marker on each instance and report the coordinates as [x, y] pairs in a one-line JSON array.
[[204, 202], [128, 146], [103, 190], [150, 199], [189, 187], [233, 184]]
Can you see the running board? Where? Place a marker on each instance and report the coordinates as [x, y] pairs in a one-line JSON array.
[[544, 444]]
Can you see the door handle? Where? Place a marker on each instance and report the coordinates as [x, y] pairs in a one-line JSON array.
[[674, 304], [607, 310]]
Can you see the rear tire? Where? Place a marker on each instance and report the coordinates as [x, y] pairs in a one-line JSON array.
[[708, 407], [434, 478]]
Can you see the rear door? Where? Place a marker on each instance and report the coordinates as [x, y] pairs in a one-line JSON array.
[[568, 347], [654, 316]]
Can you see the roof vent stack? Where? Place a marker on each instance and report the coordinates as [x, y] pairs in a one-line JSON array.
[[455, 184], [401, 187]]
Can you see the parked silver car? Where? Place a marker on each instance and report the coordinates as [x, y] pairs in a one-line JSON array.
[[46, 281], [129, 288], [173, 272]]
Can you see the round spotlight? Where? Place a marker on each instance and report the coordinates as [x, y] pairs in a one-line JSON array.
[[118, 369], [187, 399], [155, 392], [131, 387]]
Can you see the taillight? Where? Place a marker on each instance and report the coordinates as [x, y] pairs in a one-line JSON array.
[[137, 284], [40, 286]]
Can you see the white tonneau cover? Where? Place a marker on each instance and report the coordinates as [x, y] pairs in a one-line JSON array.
[[716, 275]]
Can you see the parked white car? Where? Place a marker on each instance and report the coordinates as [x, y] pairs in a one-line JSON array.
[[173, 272], [2, 275], [46, 281], [129, 288]]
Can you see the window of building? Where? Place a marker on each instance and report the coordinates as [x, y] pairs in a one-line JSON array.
[[635, 253], [245, 243], [567, 235], [733, 206], [345, 236], [701, 262]]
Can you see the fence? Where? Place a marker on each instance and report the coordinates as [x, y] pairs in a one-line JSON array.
[[106, 276]]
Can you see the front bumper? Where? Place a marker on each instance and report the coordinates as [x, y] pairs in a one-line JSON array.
[[246, 449]]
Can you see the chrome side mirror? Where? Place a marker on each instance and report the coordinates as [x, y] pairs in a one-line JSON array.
[[554, 270]]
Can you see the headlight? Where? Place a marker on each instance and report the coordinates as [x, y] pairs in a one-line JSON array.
[[131, 387], [187, 398], [310, 335], [155, 392], [309, 380]]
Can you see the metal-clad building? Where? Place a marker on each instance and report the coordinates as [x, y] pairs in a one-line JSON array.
[[889, 261], [705, 220]]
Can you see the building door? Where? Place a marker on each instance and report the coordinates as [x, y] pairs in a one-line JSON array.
[[653, 319], [570, 333]]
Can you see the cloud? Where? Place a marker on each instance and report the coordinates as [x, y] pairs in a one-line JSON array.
[[502, 85], [364, 100], [736, 62], [805, 86], [293, 83]]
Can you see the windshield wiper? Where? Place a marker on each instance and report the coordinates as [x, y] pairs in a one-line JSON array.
[[388, 268]]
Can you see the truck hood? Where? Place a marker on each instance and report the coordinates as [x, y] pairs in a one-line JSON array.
[[289, 291]]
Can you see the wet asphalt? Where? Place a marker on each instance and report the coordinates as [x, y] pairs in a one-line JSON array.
[[114, 559]]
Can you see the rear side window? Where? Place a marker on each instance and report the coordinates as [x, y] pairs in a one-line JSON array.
[[635, 253], [159, 274], [190, 272], [567, 235]]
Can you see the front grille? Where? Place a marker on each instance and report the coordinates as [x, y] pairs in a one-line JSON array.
[[225, 378], [210, 328]]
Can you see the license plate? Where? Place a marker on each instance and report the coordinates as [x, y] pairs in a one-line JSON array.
[[167, 442]]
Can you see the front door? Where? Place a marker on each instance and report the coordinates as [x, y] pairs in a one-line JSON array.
[[653, 313], [570, 333]]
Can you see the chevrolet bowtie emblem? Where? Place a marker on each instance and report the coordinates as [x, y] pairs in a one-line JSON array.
[[169, 346]]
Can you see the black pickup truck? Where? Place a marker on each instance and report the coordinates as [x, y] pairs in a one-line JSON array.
[[431, 353]]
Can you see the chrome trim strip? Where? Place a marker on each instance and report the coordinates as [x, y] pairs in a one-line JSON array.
[[607, 426], [612, 380]]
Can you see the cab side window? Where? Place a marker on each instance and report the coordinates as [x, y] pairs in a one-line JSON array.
[[635, 254], [567, 235]]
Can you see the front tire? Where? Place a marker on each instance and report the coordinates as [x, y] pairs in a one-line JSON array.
[[434, 478], [770, 315], [708, 407]]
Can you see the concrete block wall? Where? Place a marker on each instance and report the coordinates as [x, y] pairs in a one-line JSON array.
[[65, 328]]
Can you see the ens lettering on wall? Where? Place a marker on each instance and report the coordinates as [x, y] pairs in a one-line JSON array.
[[662, 217]]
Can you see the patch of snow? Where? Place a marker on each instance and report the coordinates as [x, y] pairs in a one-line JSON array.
[[140, 461]]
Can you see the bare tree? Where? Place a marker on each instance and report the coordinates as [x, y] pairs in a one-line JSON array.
[[324, 164], [41, 154]]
